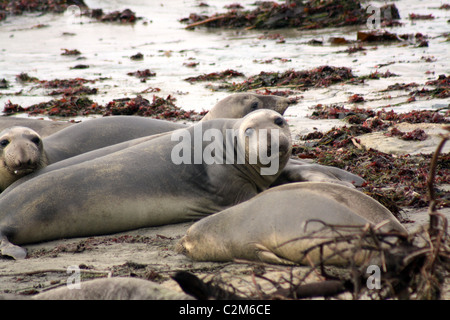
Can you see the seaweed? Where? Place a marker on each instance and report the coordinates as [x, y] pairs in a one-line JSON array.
[[311, 14], [24, 77], [142, 74], [404, 174], [364, 116], [385, 36], [214, 76], [323, 76], [4, 84], [442, 90], [71, 106], [414, 16], [138, 56], [68, 87], [68, 52], [18, 7], [124, 16], [417, 134]]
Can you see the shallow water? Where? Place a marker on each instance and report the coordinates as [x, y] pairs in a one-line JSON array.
[[166, 45]]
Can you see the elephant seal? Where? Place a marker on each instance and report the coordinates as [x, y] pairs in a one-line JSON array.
[[240, 104], [297, 171], [21, 153], [101, 132], [114, 289], [98, 133], [43, 127], [157, 182], [272, 227]]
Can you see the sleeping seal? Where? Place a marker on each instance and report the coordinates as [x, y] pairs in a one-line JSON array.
[[265, 228]]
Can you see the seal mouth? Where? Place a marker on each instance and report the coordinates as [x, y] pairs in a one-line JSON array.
[[21, 171]]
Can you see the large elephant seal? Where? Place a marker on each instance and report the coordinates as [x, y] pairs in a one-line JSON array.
[[101, 132], [234, 106], [21, 153], [72, 140], [240, 104], [43, 127], [157, 182], [265, 228], [114, 289]]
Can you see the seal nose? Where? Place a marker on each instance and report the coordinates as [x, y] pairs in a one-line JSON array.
[[24, 162], [282, 105]]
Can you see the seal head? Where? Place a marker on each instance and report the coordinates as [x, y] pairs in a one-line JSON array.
[[240, 104], [22, 152]]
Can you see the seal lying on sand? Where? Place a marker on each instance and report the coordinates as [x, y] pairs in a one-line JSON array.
[[101, 132], [297, 171], [21, 153], [43, 127], [149, 184], [265, 228], [114, 289], [238, 105], [233, 106]]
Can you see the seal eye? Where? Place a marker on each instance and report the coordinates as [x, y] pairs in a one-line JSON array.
[[4, 143], [36, 140], [279, 121], [254, 105]]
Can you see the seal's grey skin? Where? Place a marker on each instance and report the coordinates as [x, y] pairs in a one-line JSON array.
[[21, 152], [82, 158], [138, 187], [113, 289], [240, 104], [262, 228], [298, 171], [234, 106], [101, 132], [43, 127]]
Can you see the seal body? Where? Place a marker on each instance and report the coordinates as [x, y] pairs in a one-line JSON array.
[[43, 127], [114, 289], [240, 104], [101, 132], [281, 224], [143, 185], [22, 152]]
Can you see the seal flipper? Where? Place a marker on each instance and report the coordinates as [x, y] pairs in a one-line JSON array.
[[11, 250], [299, 171]]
